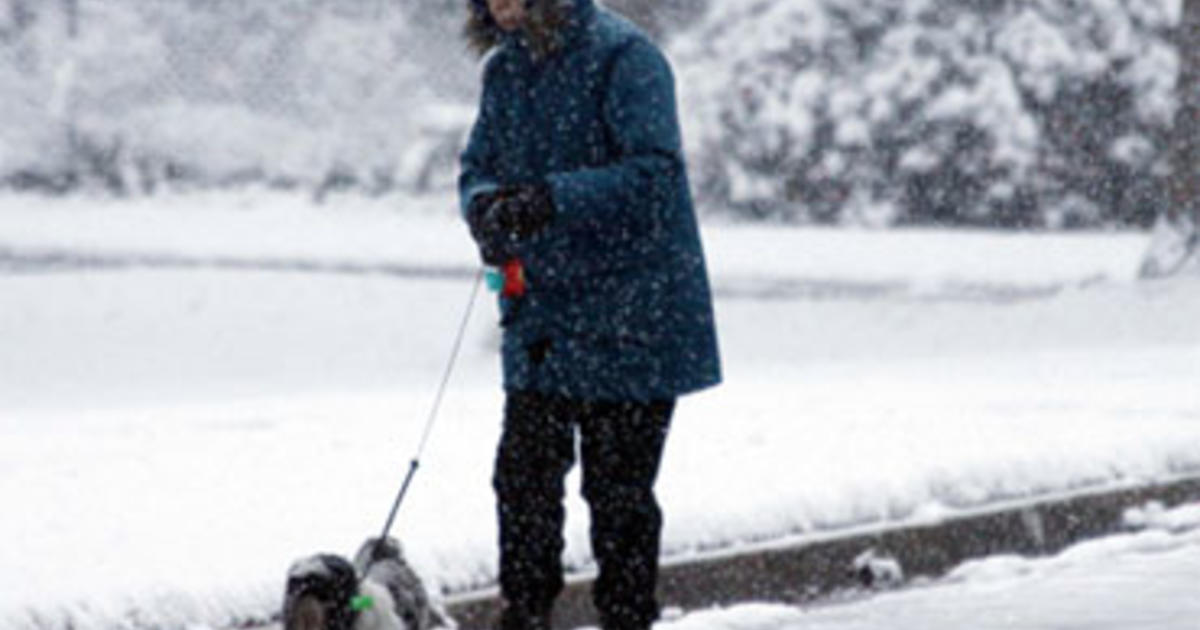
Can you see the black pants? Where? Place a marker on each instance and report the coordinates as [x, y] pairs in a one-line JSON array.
[[621, 445]]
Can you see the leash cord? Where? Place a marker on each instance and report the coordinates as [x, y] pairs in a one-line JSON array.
[[429, 423]]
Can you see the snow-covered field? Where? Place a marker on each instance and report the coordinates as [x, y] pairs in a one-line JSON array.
[[195, 391]]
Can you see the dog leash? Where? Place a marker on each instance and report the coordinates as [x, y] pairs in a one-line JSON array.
[[429, 422]]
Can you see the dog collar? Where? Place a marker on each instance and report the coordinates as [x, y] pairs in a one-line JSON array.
[[361, 603]]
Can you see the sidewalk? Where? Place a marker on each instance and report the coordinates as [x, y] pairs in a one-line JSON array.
[[804, 571]]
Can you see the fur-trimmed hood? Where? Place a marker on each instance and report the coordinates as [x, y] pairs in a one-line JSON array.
[[545, 30]]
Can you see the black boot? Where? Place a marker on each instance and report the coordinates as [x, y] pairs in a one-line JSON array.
[[536, 451], [622, 446]]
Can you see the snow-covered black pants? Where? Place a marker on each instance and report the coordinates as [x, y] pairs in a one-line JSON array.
[[620, 445]]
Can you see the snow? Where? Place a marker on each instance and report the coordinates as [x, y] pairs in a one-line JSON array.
[[1144, 580], [414, 231], [966, 110], [228, 92], [176, 432]]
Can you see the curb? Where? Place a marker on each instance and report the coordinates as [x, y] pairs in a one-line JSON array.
[[807, 571]]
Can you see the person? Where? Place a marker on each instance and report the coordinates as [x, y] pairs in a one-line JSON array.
[[573, 181]]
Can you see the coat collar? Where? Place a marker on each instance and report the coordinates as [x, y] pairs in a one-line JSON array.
[[570, 20]]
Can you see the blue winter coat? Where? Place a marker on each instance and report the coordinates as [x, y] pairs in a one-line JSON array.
[[618, 304]]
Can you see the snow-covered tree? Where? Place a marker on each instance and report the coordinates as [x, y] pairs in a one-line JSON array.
[[659, 17], [310, 93], [1009, 112], [1177, 236], [30, 139], [1006, 112], [1185, 145]]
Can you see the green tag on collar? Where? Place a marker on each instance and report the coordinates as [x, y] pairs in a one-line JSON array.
[[361, 603]]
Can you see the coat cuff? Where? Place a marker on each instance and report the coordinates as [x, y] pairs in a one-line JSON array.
[[472, 191]]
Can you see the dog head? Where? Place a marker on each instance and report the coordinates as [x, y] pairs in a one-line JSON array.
[[383, 564], [320, 591], [374, 550]]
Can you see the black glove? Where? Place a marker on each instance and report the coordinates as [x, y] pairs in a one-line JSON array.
[[494, 242], [522, 211]]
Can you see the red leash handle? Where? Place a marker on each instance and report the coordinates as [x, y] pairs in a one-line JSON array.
[[508, 280], [514, 279]]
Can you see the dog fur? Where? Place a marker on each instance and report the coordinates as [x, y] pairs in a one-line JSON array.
[[321, 589]]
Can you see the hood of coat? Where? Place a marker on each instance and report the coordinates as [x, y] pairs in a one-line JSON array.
[[547, 27]]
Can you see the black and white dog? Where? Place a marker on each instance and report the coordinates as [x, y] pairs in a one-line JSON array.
[[380, 591]]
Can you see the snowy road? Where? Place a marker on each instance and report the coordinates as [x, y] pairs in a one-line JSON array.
[[762, 286]]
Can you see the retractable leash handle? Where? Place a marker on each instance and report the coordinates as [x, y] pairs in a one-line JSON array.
[[433, 415]]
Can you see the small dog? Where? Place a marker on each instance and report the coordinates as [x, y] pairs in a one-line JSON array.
[[380, 591]]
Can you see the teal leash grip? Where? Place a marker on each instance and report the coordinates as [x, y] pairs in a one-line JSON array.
[[495, 279]]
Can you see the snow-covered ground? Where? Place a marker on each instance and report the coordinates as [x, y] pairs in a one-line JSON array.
[[199, 390], [1144, 581]]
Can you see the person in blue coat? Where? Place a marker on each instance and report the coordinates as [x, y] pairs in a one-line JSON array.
[[574, 182]]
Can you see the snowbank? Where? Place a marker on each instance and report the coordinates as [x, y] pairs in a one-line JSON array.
[[1142, 580]]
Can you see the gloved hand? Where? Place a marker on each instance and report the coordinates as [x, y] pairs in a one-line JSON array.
[[523, 210], [494, 242], [500, 218]]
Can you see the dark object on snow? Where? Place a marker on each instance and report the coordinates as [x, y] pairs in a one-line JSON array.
[[380, 591], [878, 570]]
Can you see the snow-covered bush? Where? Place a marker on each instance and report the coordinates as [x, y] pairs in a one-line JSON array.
[[1013, 112], [132, 96], [999, 112], [298, 93], [31, 137]]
